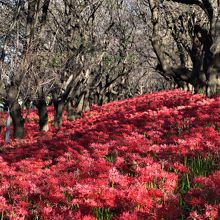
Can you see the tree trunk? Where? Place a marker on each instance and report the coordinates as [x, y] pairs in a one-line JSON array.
[[86, 105], [17, 120], [81, 104], [70, 111], [214, 77], [58, 112], [27, 104], [214, 68], [43, 115], [15, 111]]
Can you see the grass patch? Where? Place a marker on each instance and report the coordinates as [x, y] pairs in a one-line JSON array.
[[198, 166], [103, 213]]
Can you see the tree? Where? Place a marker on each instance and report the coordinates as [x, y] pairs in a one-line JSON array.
[[19, 56], [12, 71], [76, 53], [195, 40]]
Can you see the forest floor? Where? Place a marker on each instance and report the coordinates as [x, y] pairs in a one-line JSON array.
[[155, 156]]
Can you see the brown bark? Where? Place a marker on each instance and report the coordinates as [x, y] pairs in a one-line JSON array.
[[70, 111], [15, 111], [214, 76], [156, 39], [167, 69], [59, 106], [209, 64], [43, 115], [17, 120], [30, 22], [204, 53]]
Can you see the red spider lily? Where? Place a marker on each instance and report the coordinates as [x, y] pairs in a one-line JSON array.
[[125, 158]]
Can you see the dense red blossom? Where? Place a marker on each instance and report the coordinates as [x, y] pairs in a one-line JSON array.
[[125, 159]]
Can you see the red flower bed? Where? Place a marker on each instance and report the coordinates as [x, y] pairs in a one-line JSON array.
[[150, 157]]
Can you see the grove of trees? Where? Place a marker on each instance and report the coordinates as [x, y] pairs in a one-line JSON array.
[[75, 53]]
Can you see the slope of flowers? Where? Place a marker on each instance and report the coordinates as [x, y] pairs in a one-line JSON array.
[[150, 157]]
